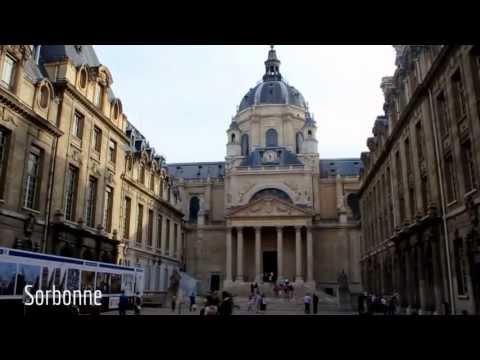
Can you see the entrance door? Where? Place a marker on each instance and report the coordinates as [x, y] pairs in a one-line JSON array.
[[214, 282], [270, 263]]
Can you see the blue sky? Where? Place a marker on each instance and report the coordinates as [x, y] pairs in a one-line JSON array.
[[182, 98]]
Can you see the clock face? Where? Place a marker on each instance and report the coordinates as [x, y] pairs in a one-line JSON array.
[[269, 156]]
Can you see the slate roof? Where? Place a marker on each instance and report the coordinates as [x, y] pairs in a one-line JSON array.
[[200, 170], [344, 167]]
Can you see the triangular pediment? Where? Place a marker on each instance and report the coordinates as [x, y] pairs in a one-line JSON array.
[[268, 207]]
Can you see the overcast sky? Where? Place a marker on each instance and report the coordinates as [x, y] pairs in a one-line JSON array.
[[182, 98]]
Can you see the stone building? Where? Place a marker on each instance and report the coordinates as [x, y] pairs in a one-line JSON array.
[[273, 205], [69, 159], [419, 197]]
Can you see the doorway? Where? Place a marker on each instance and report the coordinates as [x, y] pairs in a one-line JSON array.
[[270, 263], [214, 282]]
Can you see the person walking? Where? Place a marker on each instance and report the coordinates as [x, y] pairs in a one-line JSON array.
[[361, 304], [306, 301], [123, 304], [226, 306], [263, 303], [258, 301], [138, 303], [192, 302], [392, 305], [174, 303], [315, 303]]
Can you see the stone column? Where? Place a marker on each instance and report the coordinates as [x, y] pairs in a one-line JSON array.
[[279, 252], [421, 280], [228, 271], [298, 254], [164, 235], [309, 255], [239, 254], [258, 252]]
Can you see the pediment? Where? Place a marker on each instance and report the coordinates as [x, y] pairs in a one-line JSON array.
[[269, 207]]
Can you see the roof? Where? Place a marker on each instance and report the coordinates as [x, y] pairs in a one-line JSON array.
[[343, 167], [200, 170], [78, 54]]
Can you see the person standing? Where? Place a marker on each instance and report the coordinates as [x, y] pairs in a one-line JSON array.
[[306, 301], [138, 303], [315, 303], [174, 303], [123, 304], [226, 307], [192, 302], [263, 303], [361, 304], [258, 301]]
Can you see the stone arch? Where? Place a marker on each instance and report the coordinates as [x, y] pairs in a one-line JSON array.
[[66, 251], [87, 254], [271, 192], [282, 187]]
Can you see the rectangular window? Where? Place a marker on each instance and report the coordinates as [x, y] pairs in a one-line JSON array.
[[425, 194], [8, 73], [408, 156], [112, 151], [126, 221], [468, 166], [98, 95], [152, 181], [33, 178], [91, 201], [159, 231], [442, 114], [107, 209], [141, 175], [420, 138], [4, 145], [150, 228], [77, 126], [175, 236], [140, 224], [458, 95], [97, 139], [450, 179], [167, 242], [71, 192]]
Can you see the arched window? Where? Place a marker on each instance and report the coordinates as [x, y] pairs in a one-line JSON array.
[[233, 138], [194, 208], [298, 143], [271, 137], [353, 203], [44, 96], [245, 149]]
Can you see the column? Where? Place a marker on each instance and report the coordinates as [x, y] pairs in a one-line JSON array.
[[258, 252], [228, 272], [421, 280], [298, 254], [164, 235], [239, 254], [279, 252], [309, 255]]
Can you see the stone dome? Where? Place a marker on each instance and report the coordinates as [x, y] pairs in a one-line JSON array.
[[273, 89]]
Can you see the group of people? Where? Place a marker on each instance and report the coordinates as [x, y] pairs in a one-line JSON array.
[[310, 302], [369, 304], [257, 302], [124, 304], [213, 305], [283, 289]]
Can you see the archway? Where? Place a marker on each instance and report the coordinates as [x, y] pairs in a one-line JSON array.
[[194, 209]]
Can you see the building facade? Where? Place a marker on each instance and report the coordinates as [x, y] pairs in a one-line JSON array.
[[72, 164], [419, 195], [273, 206]]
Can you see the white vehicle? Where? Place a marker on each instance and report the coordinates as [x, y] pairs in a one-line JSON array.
[[19, 268]]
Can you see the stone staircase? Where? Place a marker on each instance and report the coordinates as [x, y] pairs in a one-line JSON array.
[[279, 306]]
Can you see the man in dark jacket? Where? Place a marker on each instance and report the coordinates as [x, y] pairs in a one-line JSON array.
[[123, 304], [226, 306], [315, 303]]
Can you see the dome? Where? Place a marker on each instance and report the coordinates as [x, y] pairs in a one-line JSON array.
[[273, 89]]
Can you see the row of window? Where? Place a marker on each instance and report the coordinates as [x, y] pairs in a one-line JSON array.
[[151, 235], [271, 140], [8, 72], [77, 131]]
